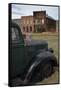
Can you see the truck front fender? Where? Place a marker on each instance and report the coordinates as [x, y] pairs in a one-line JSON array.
[[42, 57]]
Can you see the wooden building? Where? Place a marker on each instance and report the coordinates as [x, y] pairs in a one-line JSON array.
[[39, 22]]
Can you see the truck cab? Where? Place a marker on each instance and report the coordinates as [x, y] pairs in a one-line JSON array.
[[30, 61]]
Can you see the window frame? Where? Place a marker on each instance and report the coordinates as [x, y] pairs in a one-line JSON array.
[[20, 40]]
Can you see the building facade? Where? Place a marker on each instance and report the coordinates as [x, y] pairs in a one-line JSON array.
[[39, 22], [27, 24]]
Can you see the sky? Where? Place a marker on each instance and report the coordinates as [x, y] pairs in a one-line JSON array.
[[19, 10]]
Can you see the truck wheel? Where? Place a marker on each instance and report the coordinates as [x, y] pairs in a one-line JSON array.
[[47, 70], [36, 74], [41, 72]]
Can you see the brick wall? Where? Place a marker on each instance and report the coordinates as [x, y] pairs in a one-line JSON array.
[[27, 24]]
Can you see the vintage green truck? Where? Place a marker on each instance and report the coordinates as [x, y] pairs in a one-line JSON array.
[[30, 61]]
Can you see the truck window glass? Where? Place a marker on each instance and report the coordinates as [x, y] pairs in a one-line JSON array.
[[15, 34]]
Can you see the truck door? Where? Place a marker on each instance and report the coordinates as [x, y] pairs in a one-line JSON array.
[[17, 52]]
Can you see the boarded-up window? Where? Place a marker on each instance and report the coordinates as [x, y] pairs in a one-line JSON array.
[[30, 28], [24, 29], [27, 29]]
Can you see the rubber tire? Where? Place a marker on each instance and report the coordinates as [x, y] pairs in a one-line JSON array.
[[36, 75], [47, 70], [41, 72]]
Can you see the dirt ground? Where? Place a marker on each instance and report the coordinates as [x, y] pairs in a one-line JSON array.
[[53, 79]]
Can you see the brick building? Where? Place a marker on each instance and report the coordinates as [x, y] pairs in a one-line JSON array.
[[27, 24], [39, 22]]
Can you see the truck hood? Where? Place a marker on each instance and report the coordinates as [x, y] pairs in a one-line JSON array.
[[36, 43], [34, 46]]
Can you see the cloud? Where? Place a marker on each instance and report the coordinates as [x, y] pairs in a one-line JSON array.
[[16, 7], [21, 10], [18, 13]]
